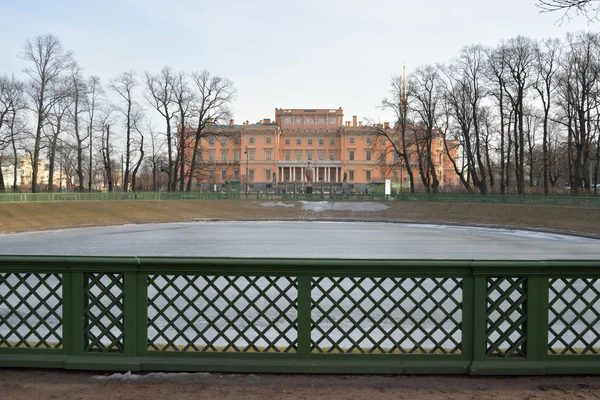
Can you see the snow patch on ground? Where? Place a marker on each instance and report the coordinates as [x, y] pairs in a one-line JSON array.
[[152, 377], [278, 204], [320, 206]]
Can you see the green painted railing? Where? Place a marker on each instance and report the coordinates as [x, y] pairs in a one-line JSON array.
[[292, 315], [577, 201]]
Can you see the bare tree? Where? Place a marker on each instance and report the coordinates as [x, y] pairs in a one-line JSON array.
[[50, 61], [425, 84], [12, 104], [214, 95], [579, 94], [547, 55], [93, 100], [124, 85], [185, 99], [78, 89], [589, 8], [162, 95], [56, 125]]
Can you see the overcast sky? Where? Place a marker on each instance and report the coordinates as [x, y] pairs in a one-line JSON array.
[[290, 54]]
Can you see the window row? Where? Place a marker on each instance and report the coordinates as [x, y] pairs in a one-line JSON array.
[[287, 156], [309, 142]]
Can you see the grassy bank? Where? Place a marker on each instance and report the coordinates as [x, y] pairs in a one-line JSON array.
[[19, 217]]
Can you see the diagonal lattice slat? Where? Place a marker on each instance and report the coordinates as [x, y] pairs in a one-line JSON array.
[[574, 316], [506, 317], [104, 318], [31, 310], [222, 313], [386, 315]]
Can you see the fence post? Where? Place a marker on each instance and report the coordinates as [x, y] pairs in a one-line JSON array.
[[304, 317], [537, 321], [142, 313], [479, 322], [130, 333]]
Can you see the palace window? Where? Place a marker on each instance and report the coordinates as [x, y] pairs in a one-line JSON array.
[[211, 140], [332, 142], [268, 175], [223, 155], [268, 155], [251, 155], [310, 142], [251, 140], [351, 140], [211, 155], [321, 142], [236, 174], [368, 175], [298, 156], [321, 155], [332, 155], [351, 174], [251, 174], [223, 174], [298, 142], [368, 155], [351, 155], [236, 141], [287, 156], [369, 140], [382, 142], [287, 142], [223, 142], [236, 156], [309, 155], [268, 140]]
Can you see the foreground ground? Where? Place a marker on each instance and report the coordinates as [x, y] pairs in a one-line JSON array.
[[19, 217], [48, 384]]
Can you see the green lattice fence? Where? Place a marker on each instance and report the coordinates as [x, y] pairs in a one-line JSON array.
[[288, 315]]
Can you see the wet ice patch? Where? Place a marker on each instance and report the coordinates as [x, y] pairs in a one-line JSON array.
[[320, 206], [278, 204]]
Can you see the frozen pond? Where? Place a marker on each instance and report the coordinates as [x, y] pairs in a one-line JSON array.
[[302, 239]]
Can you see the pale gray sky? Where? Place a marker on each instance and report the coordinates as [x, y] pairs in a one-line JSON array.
[[294, 54]]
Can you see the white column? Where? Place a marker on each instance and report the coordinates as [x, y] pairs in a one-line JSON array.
[[327, 176], [302, 174]]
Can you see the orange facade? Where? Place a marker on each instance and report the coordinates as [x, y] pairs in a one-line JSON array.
[[278, 152]]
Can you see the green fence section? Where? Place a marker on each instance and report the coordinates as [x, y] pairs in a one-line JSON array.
[[577, 201], [300, 316]]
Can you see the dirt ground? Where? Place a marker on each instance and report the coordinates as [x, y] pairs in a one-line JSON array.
[[18, 217], [51, 384]]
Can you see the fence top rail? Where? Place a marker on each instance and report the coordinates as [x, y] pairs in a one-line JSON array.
[[296, 266]]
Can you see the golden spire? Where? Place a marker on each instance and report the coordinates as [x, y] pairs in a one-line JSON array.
[[404, 99]]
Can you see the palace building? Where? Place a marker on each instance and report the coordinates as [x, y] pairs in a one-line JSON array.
[[270, 155]]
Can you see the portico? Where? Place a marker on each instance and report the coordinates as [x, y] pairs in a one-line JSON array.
[[324, 171]]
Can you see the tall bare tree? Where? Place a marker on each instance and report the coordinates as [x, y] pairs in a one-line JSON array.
[[547, 55], [93, 101], [426, 89], [50, 61], [124, 86], [214, 97], [185, 98], [161, 94]]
